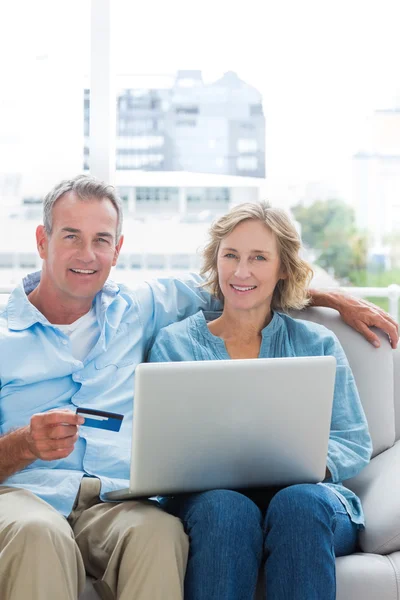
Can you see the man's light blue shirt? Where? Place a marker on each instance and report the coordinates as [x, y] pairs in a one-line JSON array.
[[350, 445], [38, 373]]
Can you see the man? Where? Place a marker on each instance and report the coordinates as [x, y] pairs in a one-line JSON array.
[[69, 338]]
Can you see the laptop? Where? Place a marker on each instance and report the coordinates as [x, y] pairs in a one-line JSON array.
[[229, 424]]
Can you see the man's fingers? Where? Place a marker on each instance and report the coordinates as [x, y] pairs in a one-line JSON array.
[[369, 335], [56, 417], [388, 326], [61, 431], [53, 433], [42, 447]]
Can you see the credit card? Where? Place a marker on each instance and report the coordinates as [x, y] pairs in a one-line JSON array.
[[100, 419]]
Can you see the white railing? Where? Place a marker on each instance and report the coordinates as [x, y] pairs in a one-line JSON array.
[[392, 292]]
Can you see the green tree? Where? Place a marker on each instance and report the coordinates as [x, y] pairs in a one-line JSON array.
[[328, 227], [322, 219]]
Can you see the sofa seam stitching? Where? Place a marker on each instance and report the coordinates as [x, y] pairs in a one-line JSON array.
[[386, 544], [396, 575]]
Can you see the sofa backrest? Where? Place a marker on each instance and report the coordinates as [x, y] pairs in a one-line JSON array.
[[377, 373], [374, 374]]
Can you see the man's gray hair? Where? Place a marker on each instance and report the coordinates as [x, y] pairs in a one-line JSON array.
[[85, 187]]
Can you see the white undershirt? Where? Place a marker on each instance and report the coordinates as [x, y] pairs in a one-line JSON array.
[[83, 334]]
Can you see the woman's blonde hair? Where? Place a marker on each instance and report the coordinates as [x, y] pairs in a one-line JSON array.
[[289, 293]]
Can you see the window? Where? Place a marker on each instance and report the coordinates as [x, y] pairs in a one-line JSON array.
[[144, 142], [138, 161], [186, 123], [187, 110], [155, 261], [208, 197], [247, 163], [153, 194], [247, 145], [136, 261], [180, 261], [330, 152], [256, 110]]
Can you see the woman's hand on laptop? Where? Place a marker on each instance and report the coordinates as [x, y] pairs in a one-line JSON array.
[[359, 314]]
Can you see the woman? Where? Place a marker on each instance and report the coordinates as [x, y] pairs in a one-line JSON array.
[[252, 263]]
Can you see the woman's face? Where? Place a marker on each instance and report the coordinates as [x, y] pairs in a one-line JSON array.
[[249, 266]]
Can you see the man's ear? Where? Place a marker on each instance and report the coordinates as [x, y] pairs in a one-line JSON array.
[[41, 241], [117, 250]]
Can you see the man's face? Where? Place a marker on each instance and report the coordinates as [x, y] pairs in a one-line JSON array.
[[82, 248]]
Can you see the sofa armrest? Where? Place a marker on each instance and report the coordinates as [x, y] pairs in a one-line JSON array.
[[378, 487], [396, 373]]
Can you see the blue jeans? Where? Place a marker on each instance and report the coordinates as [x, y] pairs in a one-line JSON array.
[[297, 531]]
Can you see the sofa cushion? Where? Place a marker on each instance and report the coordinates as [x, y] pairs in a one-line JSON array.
[[373, 372], [378, 487], [367, 577]]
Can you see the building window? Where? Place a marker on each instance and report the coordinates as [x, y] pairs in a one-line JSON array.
[[180, 261], [136, 261], [186, 123], [208, 196], [155, 261], [28, 260], [256, 110], [187, 110], [7, 260], [247, 163], [139, 161], [141, 142], [247, 145], [156, 194]]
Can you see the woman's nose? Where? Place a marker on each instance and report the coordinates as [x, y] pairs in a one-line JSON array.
[[242, 270]]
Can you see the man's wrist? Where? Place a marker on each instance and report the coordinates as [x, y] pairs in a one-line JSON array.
[[26, 453], [328, 298]]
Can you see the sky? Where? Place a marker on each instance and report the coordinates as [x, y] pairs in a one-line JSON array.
[[322, 67]]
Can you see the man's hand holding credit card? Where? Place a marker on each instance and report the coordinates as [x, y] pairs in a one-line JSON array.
[[100, 419]]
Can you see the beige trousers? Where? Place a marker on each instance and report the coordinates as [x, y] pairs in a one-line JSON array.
[[134, 549]]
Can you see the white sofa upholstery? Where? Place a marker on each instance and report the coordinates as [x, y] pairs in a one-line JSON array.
[[375, 572]]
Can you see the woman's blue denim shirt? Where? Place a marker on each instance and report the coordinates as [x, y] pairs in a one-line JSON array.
[[350, 446]]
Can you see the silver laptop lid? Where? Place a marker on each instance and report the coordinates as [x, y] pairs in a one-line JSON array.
[[230, 424]]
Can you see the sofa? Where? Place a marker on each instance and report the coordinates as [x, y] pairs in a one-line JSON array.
[[373, 573]]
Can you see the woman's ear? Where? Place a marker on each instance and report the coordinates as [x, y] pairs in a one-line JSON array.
[[282, 274]]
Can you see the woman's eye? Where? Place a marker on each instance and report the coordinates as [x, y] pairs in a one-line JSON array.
[[230, 255], [260, 257]]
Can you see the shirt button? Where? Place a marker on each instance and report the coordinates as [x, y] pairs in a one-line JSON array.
[[65, 342], [77, 363]]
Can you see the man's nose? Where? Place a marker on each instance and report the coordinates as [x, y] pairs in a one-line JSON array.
[[87, 253]]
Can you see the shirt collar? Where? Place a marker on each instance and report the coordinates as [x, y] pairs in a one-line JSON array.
[[22, 314]]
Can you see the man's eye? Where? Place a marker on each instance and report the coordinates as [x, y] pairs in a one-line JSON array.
[[103, 240], [71, 236]]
